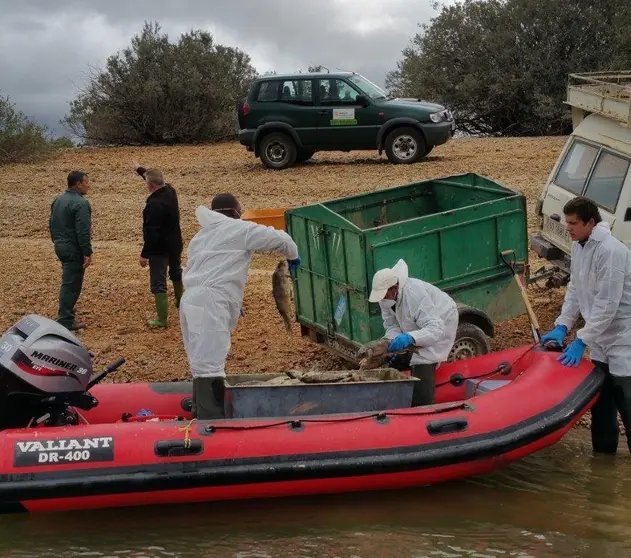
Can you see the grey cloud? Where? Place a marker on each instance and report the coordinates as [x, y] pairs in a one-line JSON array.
[[50, 45]]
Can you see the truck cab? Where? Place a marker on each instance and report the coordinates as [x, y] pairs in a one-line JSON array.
[[594, 162]]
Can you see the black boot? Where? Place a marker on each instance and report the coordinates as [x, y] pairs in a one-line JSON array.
[[208, 398], [424, 389]]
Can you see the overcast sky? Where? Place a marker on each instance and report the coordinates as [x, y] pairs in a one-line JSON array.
[[48, 45]]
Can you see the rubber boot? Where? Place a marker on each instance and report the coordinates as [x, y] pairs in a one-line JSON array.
[[178, 289], [424, 389], [208, 398], [162, 307]]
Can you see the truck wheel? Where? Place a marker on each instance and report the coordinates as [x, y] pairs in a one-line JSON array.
[[470, 342], [278, 151], [405, 145]]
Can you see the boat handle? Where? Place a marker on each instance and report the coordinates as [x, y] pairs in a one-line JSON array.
[[447, 426], [178, 448]]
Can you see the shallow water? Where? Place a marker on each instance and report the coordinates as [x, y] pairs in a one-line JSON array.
[[562, 502]]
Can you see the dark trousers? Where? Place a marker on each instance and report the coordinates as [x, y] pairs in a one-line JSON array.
[[615, 397], [72, 273], [158, 266], [208, 396], [424, 389]]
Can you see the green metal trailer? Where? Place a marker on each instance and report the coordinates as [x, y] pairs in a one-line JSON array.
[[449, 230]]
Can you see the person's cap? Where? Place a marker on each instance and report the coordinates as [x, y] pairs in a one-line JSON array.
[[381, 282]]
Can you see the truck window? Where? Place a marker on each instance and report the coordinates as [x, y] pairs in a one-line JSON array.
[[576, 166], [268, 92], [299, 92], [336, 92], [607, 179]]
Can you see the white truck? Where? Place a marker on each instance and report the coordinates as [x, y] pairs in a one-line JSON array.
[[594, 163]]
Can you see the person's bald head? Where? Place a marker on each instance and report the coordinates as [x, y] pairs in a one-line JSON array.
[[227, 204], [154, 178]]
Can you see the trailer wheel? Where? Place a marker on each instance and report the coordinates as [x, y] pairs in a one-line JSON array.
[[470, 342]]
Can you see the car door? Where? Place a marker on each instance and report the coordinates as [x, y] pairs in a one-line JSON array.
[[292, 102], [343, 122]]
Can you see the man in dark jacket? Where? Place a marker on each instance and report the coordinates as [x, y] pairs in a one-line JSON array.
[[70, 226], [163, 243]]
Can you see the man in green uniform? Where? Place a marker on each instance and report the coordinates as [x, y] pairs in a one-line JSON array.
[[70, 226]]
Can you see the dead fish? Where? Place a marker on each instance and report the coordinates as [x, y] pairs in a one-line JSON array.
[[354, 377], [317, 377], [248, 383], [282, 380], [281, 290], [375, 354]]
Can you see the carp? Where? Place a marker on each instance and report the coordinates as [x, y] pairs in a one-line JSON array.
[[281, 290], [375, 354], [320, 376]]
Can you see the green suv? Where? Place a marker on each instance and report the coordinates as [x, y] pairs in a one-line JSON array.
[[286, 119]]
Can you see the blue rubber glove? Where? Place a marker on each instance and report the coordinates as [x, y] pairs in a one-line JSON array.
[[293, 264], [400, 342], [557, 334], [572, 355]]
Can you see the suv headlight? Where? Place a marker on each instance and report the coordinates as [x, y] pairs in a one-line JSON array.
[[442, 116]]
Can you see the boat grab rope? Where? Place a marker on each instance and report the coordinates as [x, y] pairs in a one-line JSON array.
[[502, 369], [380, 417], [187, 432]]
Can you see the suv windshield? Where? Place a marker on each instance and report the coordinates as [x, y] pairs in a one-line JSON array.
[[368, 87]]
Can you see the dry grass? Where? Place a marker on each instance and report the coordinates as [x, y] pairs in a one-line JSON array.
[[116, 298]]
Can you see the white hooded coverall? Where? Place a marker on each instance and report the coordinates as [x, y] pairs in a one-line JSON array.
[[600, 291], [214, 281], [424, 311]]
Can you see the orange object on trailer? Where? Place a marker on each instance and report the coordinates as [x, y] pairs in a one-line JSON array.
[[272, 217]]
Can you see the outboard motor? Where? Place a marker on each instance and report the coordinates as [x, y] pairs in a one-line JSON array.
[[44, 371]]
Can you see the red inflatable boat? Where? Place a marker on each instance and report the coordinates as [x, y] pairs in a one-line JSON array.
[[489, 412]]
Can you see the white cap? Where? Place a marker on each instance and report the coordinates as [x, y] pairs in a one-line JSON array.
[[386, 278]]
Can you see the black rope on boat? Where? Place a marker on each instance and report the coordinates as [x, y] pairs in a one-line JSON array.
[[380, 417], [503, 369]]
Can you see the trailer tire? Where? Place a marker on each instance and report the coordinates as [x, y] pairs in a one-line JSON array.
[[470, 341]]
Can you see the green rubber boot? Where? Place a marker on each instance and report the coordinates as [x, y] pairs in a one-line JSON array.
[[178, 289], [162, 306]]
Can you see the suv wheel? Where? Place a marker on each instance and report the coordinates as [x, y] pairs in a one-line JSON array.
[[278, 151], [405, 145]]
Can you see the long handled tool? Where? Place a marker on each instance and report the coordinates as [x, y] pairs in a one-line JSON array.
[[534, 323]]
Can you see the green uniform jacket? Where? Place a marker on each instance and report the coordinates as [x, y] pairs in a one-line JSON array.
[[70, 224]]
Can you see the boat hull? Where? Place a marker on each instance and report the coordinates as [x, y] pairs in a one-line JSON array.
[[110, 464]]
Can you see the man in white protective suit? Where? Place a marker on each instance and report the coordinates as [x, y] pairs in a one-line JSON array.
[[418, 316], [214, 281], [600, 291]]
